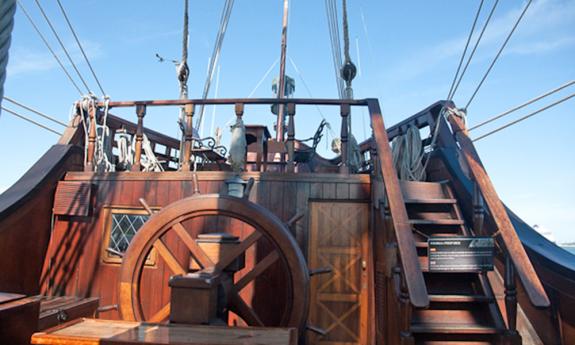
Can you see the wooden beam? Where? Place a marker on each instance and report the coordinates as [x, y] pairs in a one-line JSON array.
[[513, 245], [406, 243]]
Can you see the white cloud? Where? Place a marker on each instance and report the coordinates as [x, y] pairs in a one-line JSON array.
[[546, 27], [24, 60]]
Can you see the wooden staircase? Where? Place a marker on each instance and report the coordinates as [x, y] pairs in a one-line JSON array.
[[462, 308]]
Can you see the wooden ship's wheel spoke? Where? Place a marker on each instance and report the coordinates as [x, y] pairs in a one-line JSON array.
[[175, 236]]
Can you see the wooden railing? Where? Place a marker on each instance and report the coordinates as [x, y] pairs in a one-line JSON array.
[[415, 285], [188, 139], [412, 281], [516, 259]]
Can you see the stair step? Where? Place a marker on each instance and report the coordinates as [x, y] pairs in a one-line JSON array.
[[453, 328], [451, 342], [460, 298], [430, 201], [436, 222]]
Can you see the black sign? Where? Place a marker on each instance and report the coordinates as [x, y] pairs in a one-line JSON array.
[[460, 254]]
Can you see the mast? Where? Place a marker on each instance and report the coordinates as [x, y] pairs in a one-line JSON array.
[[281, 87]]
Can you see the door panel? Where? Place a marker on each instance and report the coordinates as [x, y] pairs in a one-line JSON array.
[[338, 240]]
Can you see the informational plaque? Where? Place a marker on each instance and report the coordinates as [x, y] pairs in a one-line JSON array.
[[460, 254]]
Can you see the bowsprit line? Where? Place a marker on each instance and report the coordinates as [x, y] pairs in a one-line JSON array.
[[50, 48], [498, 54], [81, 48], [522, 105], [525, 117], [449, 95], [31, 121], [62, 45], [47, 117]]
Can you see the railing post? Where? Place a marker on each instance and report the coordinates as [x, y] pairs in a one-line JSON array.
[[91, 139], [291, 137], [510, 296], [239, 110], [188, 136], [140, 112], [478, 210], [344, 112], [406, 336]]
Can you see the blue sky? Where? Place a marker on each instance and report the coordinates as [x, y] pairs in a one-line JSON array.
[[408, 53]]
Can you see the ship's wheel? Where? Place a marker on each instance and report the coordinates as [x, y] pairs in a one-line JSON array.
[[281, 250]]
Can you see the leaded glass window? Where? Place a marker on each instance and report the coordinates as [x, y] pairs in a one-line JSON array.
[[124, 227]]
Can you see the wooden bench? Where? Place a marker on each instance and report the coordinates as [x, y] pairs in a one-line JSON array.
[[99, 332], [55, 310], [18, 315]]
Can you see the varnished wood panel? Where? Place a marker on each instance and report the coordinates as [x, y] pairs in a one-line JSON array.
[[75, 265], [339, 300]]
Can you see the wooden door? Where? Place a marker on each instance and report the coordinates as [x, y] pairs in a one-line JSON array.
[[339, 300]]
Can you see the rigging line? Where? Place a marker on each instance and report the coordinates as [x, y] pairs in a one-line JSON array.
[[224, 20], [31, 121], [297, 70], [50, 48], [449, 95], [80, 46], [335, 43], [62, 45], [522, 105], [474, 48], [498, 54], [524, 117], [36, 112], [264, 77]]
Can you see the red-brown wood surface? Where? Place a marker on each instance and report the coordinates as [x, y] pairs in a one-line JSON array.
[[75, 255], [406, 243], [513, 245], [25, 215]]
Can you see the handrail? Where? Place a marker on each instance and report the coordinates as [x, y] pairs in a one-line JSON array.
[[231, 101], [406, 243], [515, 250]]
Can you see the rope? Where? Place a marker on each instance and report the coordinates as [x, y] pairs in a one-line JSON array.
[[449, 95], [225, 17], [474, 49], [7, 10], [31, 121], [81, 48], [498, 54], [525, 117], [62, 45], [347, 58], [331, 12], [522, 105], [47, 117], [407, 153], [309, 92], [263, 78], [49, 48]]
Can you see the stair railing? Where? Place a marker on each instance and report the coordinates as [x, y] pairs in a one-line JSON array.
[[413, 285], [515, 258]]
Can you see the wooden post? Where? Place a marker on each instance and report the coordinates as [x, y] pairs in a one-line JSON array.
[[344, 111], [405, 325], [239, 109], [140, 112], [291, 137], [510, 295], [188, 136], [478, 210], [91, 139]]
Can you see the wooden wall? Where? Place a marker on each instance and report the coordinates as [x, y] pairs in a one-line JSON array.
[[74, 264]]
